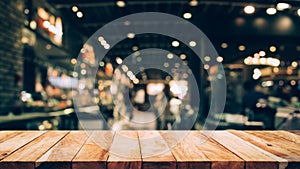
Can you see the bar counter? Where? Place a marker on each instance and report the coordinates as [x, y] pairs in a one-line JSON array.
[[230, 149]]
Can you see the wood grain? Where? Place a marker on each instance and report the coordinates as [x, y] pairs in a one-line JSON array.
[[26, 156], [253, 156], [197, 149], [150, 149], [185, 150], [291, 149], [294, 131], [289, 136], [283, 154], [94, 153], [5, 135], [125, 151], [155, 151], [61, 155], [219, 156], [277, 140], [14, 143]]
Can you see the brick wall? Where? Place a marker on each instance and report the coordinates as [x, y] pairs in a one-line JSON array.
[[11, 49]]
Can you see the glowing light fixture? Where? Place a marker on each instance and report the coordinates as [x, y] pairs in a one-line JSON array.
[[48, 46], [272, 48], [73, 61], [135, 48], [182, 56], [249, 9], [293, 82], [282, 6], [242, 48], [294, 64], [130, 35], [206, 66], [154, 88], [187, 15], [298, 12], [192, 43], [101, 64], [271, 11], [267, 83], [33, 25], [170, 56], [275, 69], [119, 60], [124, 68], [74, 8], [121, 4], [79, 14], [106, 46], [46, 24], [175, 43], [262, 61], [220, 59], [179, 88], [100, 39], [224, 45], [262, 53], [26, 11], [256, 74], [289, 70], [193, 2], [136, 81], [138, 59], [207, 58]]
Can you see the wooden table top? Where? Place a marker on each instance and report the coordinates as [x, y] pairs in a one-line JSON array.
[[229, 149]]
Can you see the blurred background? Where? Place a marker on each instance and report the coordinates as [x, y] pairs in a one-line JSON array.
[[258, 43]]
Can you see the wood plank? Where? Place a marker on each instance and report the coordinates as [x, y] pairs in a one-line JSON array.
[[291, 148], [155, 151], [26, 156], [184, 148], [61, 155], [253, 156], [125, 151], [150, 149], [219, 156], [14, 143], [294, 131], [274, 139], [278, 151], [94, 153], [198, 151], [5, 135], [289, 136]]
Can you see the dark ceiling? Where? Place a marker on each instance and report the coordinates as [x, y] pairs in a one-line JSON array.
[[221, 20]]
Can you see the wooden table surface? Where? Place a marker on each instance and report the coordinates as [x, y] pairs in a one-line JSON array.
[[150, 149]]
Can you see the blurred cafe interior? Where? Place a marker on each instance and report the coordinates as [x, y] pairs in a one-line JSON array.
[[53, 79]]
